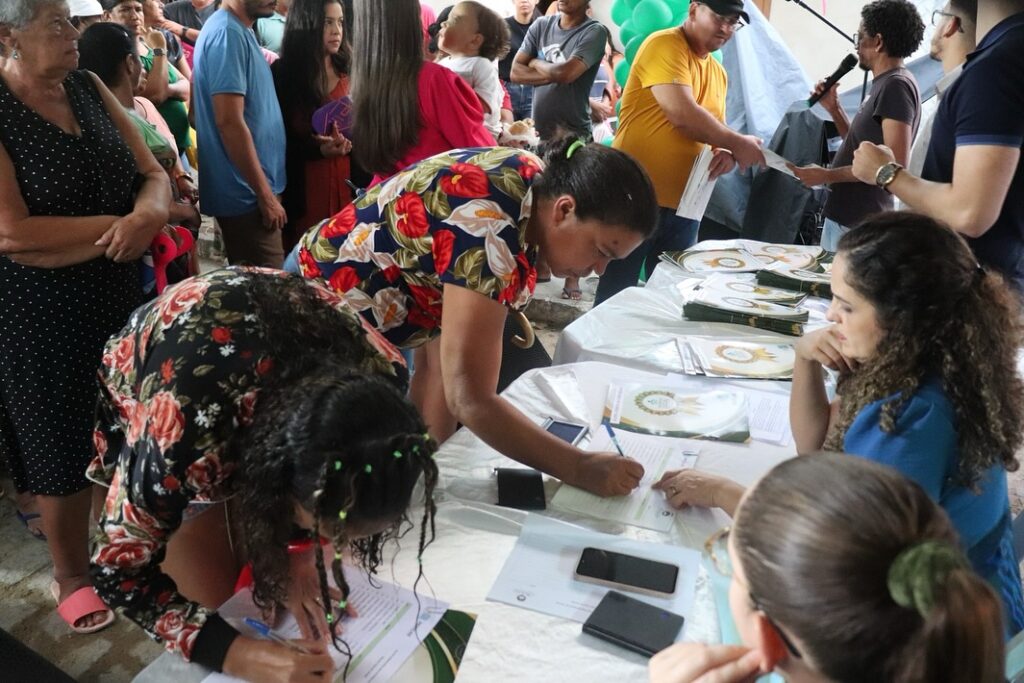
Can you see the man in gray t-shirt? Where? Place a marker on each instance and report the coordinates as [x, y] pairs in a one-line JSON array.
[[560, 57], [890, 31]]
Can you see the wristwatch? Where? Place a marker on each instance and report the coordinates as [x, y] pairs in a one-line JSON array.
[[886, 174], [159, 52]]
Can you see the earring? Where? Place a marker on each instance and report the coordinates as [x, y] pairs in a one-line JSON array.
[[15, 55]]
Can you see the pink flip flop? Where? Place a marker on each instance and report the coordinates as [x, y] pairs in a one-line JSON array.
[[81, 603]]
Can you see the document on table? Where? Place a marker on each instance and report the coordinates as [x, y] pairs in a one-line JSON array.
[[699, 187], [778, 162], [389, 628], [539, 573], [644, 507], [768, 414]]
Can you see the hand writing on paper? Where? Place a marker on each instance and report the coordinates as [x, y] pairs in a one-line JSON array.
[[264, 661], [607, 474], [824, 347], [686, 488], [700, 663], [304, 599]]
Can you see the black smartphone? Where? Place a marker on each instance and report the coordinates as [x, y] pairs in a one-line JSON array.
[[520, 488], [569, 432], [633, 624], [617, 570]]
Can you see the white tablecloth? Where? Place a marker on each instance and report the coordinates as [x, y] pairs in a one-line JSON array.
[[474, 537]]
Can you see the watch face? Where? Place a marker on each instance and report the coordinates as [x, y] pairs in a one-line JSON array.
[[886, 174]]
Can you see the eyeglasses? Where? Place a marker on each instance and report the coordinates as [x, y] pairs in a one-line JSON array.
[[734, 23], [717, 549], [938, 15]]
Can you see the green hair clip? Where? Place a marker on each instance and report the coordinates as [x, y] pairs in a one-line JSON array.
[[337, 556], [337, 465], [342, 515], [342, 604], [330, 618], [397, 454], [368, 469], [918, 574], [573, 147]]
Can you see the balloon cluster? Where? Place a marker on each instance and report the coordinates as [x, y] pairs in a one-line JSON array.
[[638, 19]]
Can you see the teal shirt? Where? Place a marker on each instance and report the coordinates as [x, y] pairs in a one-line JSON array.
[[270, 32], [924, 448]]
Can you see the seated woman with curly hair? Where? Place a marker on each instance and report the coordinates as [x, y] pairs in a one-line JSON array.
[[925, 342], [205, 400]]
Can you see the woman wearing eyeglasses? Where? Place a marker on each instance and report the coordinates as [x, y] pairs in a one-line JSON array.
[[866, 583], [925, 343]]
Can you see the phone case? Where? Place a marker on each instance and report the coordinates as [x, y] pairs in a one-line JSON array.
[[632, 624], [520, 488]]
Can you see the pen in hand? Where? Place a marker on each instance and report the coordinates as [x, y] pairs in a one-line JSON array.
[[615, 441], [264, 631]]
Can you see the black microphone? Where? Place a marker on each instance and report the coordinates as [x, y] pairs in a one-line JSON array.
[[846, 67]]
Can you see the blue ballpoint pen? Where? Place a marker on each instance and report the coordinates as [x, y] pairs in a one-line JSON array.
[[264, 631], [615, 441]]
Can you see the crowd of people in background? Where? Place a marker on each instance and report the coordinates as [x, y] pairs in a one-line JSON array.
[[365, 145]]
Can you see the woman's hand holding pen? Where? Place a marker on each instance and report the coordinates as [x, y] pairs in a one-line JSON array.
[[266, 661]]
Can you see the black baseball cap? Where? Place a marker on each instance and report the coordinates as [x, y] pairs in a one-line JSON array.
[[727, 7]]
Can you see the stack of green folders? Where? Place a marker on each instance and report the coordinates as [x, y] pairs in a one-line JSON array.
[[797, 280], [713, 307]]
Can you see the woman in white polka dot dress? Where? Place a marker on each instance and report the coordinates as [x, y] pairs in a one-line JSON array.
[[80, 200]]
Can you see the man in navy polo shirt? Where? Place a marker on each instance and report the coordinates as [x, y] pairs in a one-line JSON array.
[[973, 179]]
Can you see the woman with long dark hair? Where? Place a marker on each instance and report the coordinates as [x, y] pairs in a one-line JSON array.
[[925, 342], [220, 444], [405, 109], [844, 571], [313, 70]]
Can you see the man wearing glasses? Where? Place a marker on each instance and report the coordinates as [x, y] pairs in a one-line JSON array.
[[973, 179], [890, 31], [674, 104], [952, 41]]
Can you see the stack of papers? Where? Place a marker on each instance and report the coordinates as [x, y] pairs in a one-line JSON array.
[[714, 261], [736, 358], [699, 187], [745, 285], [797, 280], [713, 306], [666, 411], [791, 255]]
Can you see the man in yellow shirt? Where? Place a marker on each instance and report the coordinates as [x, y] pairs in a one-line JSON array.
[[673, 105]]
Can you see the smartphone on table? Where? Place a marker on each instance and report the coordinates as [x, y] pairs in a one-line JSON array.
[[632, 624], [569, 432], [627, 572]]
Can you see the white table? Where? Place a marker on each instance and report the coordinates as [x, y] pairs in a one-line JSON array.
[[474, 537], [638, 327]]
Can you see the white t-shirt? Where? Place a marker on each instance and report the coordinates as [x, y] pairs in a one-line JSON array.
[[482, 76]]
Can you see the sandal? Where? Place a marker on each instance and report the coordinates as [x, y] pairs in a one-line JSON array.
[[27, 518], [79, 604], [572, 293]]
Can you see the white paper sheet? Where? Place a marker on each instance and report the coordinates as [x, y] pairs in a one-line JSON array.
[[769, 417], [386, 632], [778, 162], [539, 572], [644, 507], [699, 187]]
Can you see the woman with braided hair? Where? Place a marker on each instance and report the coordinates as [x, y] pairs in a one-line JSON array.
[[845, 571], [925, 343], [220, 444]]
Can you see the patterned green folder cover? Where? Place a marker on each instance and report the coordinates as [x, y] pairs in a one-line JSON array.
[[447, 643]]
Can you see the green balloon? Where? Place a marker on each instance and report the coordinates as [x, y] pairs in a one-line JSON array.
[[607, 142], [680, 8], [631, 48], [627, 32], [632, 4], [650, 16], [717, 54], [621, 12], [622, 72]]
